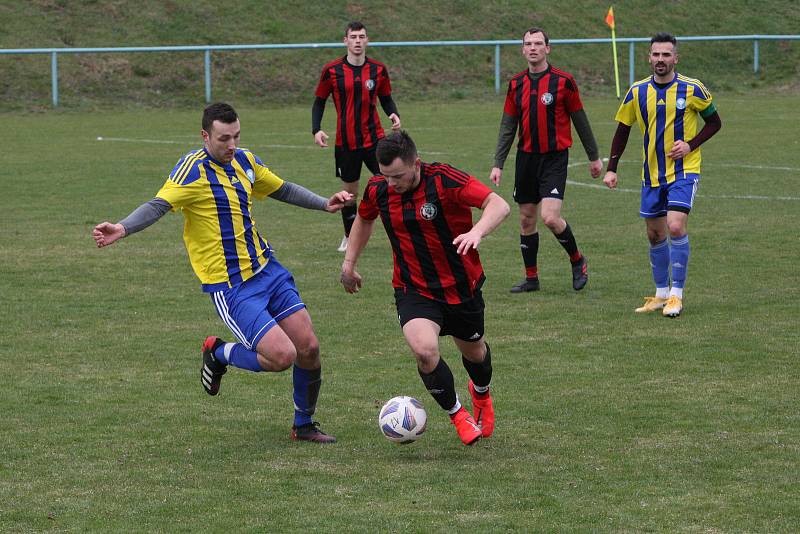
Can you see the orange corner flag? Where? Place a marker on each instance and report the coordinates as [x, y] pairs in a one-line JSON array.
[[610, 17]]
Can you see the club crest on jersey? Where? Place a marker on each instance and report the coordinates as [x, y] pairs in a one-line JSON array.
[[680, 103], [428, 211], [547, 99], [250, 175], [370, 83]]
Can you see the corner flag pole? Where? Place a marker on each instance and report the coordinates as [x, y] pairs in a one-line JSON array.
[[611, 24]]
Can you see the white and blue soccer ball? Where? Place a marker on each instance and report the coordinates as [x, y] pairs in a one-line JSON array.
[[402, 419]]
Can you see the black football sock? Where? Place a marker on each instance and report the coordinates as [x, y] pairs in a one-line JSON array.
[[480, 372], [348, 218], [567, 240], [440, 385], [529, 246]]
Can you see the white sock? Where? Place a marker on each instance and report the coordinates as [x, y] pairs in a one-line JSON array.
[[226, 352], [676, 292], [480, 389], [662, 292], [455, 408]]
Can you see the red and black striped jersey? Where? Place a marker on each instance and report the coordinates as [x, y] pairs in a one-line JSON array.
[[542, 108], [355, 91], [421, 225]]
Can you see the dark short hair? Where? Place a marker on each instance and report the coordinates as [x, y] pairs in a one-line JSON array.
[[396, 145], [354, 27], [664, 37], [219, 111], [537, 30]]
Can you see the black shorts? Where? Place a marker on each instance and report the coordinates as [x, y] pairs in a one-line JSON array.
[[464, 321], [348, 163], [540, 176]]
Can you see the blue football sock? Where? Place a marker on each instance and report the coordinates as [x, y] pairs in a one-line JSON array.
[[679, 257], [659, 261], [238, 355], [306, 384]]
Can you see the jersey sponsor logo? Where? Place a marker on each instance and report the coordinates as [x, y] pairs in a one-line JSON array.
[[250, 175], [428, 211], [680, 103], [370, 83], [547, 99]]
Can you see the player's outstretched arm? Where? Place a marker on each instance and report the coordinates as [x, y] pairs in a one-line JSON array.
[[359, 236], [495, 210], [106, 233]]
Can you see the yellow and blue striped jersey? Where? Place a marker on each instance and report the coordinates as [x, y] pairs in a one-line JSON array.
[[665, 115], [224, 247]]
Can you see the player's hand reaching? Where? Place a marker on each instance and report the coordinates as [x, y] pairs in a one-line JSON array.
[[350, 278], [610, 179], [679, 149], [495, 175], [395, 121], [106, 233], [595, 168], [468, 241], [338, 200], [321, 138]]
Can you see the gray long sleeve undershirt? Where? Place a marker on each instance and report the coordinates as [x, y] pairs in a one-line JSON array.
[[581, 123], [297, 195], [154, 209]]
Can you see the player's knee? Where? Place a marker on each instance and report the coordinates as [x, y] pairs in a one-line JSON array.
[[677, 229], [308, 349], [552, 221], [527, 224], [427, 356], [283, 358]]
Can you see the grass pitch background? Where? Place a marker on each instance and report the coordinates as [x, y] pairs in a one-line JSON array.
[[607, 420]]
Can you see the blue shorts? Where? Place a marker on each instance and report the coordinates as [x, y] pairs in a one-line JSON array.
[[676, 196], [251, 308]]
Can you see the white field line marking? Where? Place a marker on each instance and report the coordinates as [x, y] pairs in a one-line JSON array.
[[571, 182]]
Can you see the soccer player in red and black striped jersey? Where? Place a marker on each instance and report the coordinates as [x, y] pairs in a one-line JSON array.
[[542, 101], [356, 83], [426, 210]]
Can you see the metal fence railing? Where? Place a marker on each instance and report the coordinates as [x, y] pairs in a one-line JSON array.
[[208, 49]]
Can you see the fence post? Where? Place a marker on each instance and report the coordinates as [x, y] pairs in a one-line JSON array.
[[207, 65], [631, 62], [497, 69], [54, 77], [755, 55]]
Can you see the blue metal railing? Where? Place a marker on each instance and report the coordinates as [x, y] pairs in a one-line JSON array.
[[207, 49]]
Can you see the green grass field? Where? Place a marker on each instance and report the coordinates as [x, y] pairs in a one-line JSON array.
[[607, 420]]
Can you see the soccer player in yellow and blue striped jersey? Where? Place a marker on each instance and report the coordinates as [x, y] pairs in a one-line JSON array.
[[666, 107], [254, 295]]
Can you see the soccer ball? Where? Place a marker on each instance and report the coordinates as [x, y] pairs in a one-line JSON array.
[[402, 420]]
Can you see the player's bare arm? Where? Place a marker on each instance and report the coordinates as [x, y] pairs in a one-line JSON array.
[[359, 237], [495, 210]]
